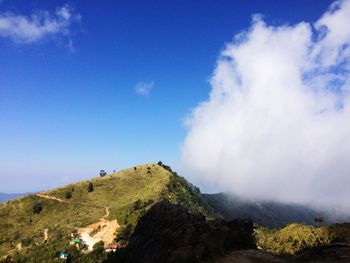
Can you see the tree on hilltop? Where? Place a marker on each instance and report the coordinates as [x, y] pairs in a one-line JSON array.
[[90, 187]]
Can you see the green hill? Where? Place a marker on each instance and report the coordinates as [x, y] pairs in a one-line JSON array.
[[38, 226], [296, 238]]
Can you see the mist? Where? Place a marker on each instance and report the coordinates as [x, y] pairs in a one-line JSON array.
[[276, 124]]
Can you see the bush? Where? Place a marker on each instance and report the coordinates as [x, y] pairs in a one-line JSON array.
[[102, 173], [37, 208], [69, 195], [98, 247], [124, 234], [137, 204], [90, 187]]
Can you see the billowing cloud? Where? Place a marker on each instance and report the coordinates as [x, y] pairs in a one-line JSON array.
[[276, 125], [28, 29], [144, 88]]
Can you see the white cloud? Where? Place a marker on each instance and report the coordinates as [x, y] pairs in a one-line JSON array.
[[144, 88], [38, 26], [277, 122]]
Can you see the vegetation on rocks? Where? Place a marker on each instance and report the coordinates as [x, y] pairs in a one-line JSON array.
[[295, 238]]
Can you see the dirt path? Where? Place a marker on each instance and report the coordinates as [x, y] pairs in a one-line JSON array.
[[51, 198], [46, 235], [103, 230]]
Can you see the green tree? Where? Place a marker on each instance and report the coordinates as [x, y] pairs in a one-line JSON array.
[[99, 247], [90, 187], [124, 234], [318, 220], [37, 208], [137, 204], [68, 195]]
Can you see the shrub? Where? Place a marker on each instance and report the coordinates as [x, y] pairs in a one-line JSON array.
[[37, 208], [102, 173], [69, 195], [137, 204], [124, 234], [99, 247], [90, 187]]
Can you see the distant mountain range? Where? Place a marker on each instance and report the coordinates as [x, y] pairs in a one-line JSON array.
[[269, 213], [5, 197]]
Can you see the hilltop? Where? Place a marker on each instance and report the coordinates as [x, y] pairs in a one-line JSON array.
[[40, 225]]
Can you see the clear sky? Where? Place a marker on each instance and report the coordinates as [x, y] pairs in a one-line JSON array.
[[90, 85]]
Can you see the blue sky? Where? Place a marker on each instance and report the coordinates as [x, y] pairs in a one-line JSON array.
[[68, 100]]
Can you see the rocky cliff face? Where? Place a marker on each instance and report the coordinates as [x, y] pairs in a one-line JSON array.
[[169, 233]]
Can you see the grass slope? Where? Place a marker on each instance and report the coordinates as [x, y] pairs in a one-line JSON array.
[[295, 238], [127, 194]]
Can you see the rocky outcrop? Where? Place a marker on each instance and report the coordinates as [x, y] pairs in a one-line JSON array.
[[169, 233]]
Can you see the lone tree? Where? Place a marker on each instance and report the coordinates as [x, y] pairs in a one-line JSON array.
[[37, 208], [318, 220], [69, 195], [90, 187], [137, 204], [160, 163], [102, 173]]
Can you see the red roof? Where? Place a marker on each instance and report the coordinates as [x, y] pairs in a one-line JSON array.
[[113, 246]]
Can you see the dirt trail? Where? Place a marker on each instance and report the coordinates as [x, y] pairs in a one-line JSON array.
[[46, 236], [51, 198], [103, 229], [73, 202]]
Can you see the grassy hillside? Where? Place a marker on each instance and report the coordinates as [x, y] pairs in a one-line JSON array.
[[295, 238], [123, 196]]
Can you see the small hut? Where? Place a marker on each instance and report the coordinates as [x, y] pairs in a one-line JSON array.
[[112, 247]]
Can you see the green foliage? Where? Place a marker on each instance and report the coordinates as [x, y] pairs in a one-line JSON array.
[[294, 238], [99, 247], [137, 204], [68, 195], [318, 219], [124, 234], [339, 233], [37, 208], [90, 187], [180, 191]]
